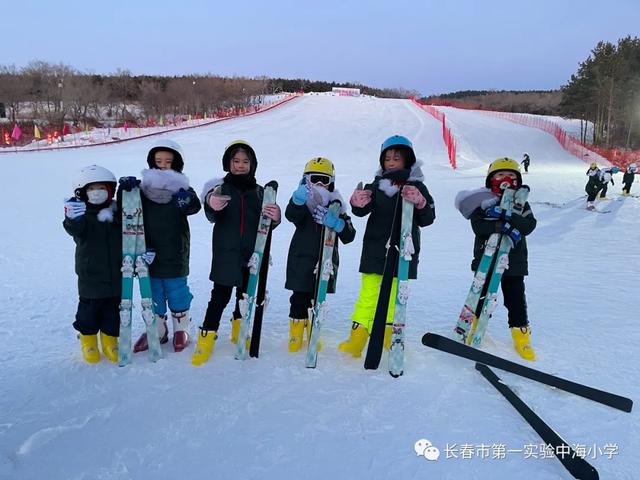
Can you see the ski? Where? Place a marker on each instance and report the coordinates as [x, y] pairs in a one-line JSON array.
[[469, 315], [247, 305], [501, 263], [318, 312], [376, 336], [396, 350], [447, 345], [133, 264], [262, 300], [577, 466]]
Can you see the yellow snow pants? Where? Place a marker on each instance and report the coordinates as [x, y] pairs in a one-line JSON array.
[[365, 307]]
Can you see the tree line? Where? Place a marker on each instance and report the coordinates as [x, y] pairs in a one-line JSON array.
[[606, 91]]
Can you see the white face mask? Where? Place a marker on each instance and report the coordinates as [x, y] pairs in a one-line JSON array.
[[97, 197]]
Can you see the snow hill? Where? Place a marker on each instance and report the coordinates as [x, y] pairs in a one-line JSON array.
[[272, 418]]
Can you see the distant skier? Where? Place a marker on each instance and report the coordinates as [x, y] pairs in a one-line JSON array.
[[307, 210], [593, 185], [92, 219], [167, 201], [482, 208], [398, 176], [526, 161], [627, 179], [234, 205], [605, 177]]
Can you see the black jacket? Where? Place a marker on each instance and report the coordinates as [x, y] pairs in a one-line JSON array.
[[381, 210], [628, 177], [234, 231], [305, 247], [483, 228], [98, 255]]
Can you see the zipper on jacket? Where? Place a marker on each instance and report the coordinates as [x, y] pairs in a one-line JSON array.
[[241, 215]]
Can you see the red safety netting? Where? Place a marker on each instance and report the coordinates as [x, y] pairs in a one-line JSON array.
[[447, 136]]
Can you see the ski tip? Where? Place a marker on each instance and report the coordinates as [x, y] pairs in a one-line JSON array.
[[360, 186], [273, 184], [396, 375]]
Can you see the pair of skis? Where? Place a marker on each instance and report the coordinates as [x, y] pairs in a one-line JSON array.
[[474, 317], [576, 465], [254, 302], [134, 264], [400, 250]]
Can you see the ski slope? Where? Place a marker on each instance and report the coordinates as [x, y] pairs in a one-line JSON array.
[[272, 418]]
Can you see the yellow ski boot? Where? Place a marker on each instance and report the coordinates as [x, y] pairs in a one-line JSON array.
[[388, 333], [235, 330], [204, 347], [296, 333], [307, 326], [356, 341], [89, 345], [522, 342], [109, 347]]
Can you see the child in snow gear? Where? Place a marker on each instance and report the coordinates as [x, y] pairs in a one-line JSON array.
[[91, 219], [526, 161], [605, 177], [593, 184], [399, 176], [167, 201], [234, 205], [308, 211], [482, 208], [628, 178]]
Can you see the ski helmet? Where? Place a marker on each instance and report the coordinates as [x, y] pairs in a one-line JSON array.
[[503, 164], [593, 165], [231, 149], [166, 144], [92, 174], [321, 166], [615, 170], [402, 143], [633, 167]]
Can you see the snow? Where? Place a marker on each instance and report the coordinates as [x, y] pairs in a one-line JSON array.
[[271, 417]]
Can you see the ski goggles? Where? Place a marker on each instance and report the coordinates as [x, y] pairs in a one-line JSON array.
[[319, 178]]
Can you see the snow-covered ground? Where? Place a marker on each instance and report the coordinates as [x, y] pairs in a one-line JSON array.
[[272, 418]]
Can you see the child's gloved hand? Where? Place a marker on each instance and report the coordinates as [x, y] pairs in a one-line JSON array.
[[497, 212], [301, 194], [128, 183], [514, 233], [272, 211], [217, 201], [360, 198], [149, 256], [74, 209], [324, 217], [413, 195], [183, 198]]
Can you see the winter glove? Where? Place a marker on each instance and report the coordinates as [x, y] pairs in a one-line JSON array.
[[497, 213], [74, 209], [149, 256], [360, 198], [324, 217], [128, 183], [413, 195], [272, 211], [216, 201], [301, 194], [183, 198], [514, 233]]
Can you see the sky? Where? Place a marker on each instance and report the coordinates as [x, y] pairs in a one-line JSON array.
[[429, 46]]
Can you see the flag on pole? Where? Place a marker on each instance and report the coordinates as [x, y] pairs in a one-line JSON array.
[[65, 129], [17, 133], [161, 122], [126, 126], [36, 132]]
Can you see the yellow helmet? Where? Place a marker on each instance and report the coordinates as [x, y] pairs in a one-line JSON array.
[[503, 164], [320, 165], [593, 165]]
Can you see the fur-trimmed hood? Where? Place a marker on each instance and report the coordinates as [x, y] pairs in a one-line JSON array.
[[323, 197], [160, 185], [106, 214], [387, 186], [468, 200]]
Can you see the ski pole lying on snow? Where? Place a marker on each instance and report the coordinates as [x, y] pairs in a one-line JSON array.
[[444, 344], [577, 466]]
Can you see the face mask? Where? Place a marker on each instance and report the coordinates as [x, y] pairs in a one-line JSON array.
[[498, 186], [97, 197]]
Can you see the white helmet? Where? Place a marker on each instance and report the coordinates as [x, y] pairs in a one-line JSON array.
[[92, 174], [633, 167], [170, 145]]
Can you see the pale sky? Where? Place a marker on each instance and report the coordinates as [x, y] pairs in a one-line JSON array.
[[430, 46]]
